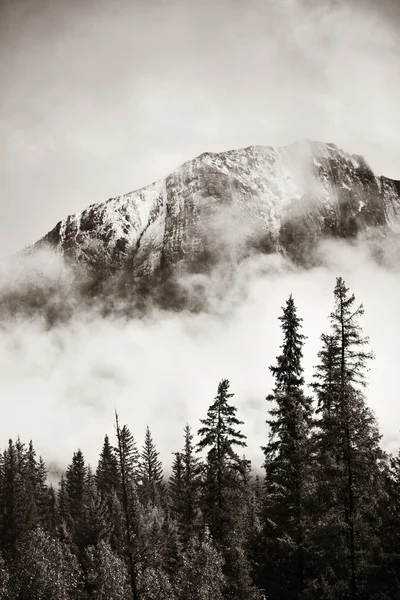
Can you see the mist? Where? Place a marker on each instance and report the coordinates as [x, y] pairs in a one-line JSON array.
[[61, 384]]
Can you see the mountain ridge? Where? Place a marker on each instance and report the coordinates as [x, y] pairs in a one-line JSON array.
[[224, 206]]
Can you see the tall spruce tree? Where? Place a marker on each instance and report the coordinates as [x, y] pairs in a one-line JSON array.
[[150, 472], [37, 490], [286, 463], [20, 489], [128, 460], [107, 472], [75, 484], [84, 511], [348, 475], [72, 500], [221, 487], [225, 492], [184, 487], [108, 482]]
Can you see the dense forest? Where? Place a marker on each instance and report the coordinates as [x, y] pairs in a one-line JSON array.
[[322, 520]]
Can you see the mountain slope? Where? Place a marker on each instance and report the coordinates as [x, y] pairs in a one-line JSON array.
[[227, 205]]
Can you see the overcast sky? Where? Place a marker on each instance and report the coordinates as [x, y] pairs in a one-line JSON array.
[[100, 97]]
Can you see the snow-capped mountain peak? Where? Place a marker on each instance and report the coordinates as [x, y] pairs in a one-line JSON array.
[[224, 204]]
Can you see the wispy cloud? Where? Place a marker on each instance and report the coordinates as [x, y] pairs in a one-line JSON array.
[[61, 384]]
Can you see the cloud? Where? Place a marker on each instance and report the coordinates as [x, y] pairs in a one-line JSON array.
[[61, 384], [99, 98]]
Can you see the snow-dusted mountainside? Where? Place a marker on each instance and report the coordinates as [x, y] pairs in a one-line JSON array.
[[229, 204]]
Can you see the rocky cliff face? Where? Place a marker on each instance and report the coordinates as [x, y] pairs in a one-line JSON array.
[[225, 206]]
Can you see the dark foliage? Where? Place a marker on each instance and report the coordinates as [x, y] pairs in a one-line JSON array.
[[324, 522]]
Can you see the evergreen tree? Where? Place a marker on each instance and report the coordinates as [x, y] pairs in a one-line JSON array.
[[239, 579], [172, 547], [176, 487], [18, 510], [72, 501], [184, 487], [75, 485], [159, 553], [47, 570], [201, 576], [62, 507], [225, 491], [108, 482], [221, 484], [348, 460], [326, 376], [84, 512], [128, 457], [150, 472], [51, 520], [287, 456], [107, 473], [96, 517], [107, 574]]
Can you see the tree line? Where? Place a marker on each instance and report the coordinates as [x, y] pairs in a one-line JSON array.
[[323, 520]]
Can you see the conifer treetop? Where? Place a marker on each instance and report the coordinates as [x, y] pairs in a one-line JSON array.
[[221, 422], [348, 335], [288, 370]]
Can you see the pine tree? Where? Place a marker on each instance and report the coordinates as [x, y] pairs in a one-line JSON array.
[[237, 571], [221, 487], [108, 482], [107, 574], [201, 576], [47, 569], [107, 473], [150, 472], [224, 494], [184, 487], [75, 485], [128, 458], [287, 455], [37, 488], [176, 487], [127, 455], [51, 521], [18, 510], [348, 460], [159, 553], [62, 507], [96, 517], [72, 501]]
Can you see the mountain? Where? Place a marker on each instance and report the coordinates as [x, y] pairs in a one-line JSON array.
[[222, 207]]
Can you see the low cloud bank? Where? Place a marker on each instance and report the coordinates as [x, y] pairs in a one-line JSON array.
[[60, 384]]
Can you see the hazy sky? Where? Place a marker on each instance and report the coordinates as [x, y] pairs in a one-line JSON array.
[[60, 386], [99, 97]]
